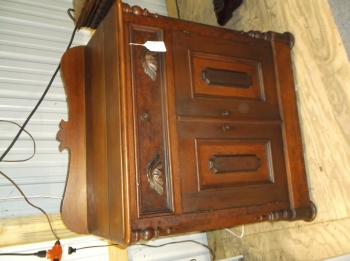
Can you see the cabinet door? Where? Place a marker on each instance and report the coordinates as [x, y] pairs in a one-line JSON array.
[[226, 165], [224, 78], [230, 140]]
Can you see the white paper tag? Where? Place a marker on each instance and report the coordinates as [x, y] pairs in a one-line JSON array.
[[154, 46]]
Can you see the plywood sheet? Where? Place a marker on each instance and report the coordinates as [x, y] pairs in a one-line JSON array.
[[33, 229], [315, 241]]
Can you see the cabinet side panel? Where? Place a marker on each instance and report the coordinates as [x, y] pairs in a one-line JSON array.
[[72, 136], [97, 176], [113, 125], [293, 150]]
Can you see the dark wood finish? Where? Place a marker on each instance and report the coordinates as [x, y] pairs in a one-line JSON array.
[[305, 213], [223, 164], [242, 161], [224, 9], [197, 52], [73, 137], [156, 150], [150, 122], [90, 13], [226, 78]]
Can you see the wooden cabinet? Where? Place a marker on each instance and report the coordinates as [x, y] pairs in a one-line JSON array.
[[203, 136]]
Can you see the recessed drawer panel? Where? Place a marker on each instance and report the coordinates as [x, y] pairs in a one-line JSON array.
[[222, 76], [227, 163]]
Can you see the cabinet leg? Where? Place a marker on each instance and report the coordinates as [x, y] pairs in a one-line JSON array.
[[307, 214]]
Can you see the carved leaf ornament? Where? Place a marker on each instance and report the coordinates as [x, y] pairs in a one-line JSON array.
[[149, 64], [155, 175]]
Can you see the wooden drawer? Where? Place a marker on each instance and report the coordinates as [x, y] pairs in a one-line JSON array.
[[153, 177], [225, 165], [223, 78]]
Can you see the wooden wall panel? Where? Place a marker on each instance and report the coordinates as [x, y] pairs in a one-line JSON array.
[[322, 76]]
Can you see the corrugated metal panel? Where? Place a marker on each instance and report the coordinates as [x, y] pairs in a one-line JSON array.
[[33, 36]]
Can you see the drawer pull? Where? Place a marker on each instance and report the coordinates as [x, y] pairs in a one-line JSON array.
[[222, 164], [224, 113], [155, 175], [226, 78], [226, 127], [144, 116]]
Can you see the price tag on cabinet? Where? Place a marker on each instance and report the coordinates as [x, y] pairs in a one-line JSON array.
[[154, 46]]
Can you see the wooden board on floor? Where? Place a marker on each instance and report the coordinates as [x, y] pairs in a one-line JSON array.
[[315, 241], [32, 229], [117, 254]]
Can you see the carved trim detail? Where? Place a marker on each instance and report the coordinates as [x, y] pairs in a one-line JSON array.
[[155, 175], [286, 214], [149, 64], [101, 12], [92, 13], [306, 213], [136, 10], [286, 37], [149, 233]]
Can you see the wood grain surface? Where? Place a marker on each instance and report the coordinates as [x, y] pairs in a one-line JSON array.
[[322, 77], [33, 229]]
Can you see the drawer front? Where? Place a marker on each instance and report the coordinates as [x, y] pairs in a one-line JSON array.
[[153, 178], [216, 76], [227, 165], [230, 162]]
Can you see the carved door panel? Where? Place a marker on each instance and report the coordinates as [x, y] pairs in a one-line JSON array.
[[226, 165], [223, 78], [230, 140]]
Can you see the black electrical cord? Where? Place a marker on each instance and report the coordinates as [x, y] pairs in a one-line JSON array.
[[72, 250], [41, 254], [16, 254], [38, 104], [25, 198], [185, 241], [177, 8], [69, 12], [34, 145], [22, 129]]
